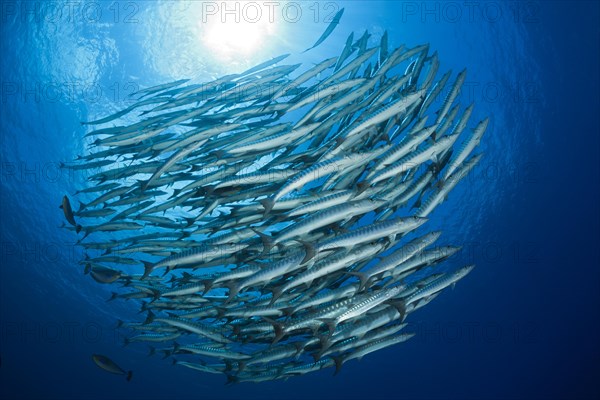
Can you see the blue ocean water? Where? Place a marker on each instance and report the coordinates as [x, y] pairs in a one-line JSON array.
[[524, 324]]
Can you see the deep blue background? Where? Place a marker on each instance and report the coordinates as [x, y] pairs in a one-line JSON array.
[[524, 324]]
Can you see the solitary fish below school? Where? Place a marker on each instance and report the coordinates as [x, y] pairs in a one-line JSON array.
[[109, 365]]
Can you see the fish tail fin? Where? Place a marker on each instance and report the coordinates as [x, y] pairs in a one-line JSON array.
[[418, 202], [144, 185], [176, 193], [236, 330], [331, 324], [440, 183], [234, 289], [82, 206], [149, 318], [339, 361], [279, 333], [326, 343], [277, 292], [167, 270], [78, 228], [167, 353], [267, 240], [151, 351], [400, 306], [280, 371], [268, 103], [220, 312], [364, 279], [278, 327], [209, 190], [241, 365], [208, 284], [231, 379], [190, 221], [174, 362], [362, 186], [268, 204], [148, 267], [155, 295], [221, 154], [299, 349], [339, 140], [113, 296], [288, 311], [309, 250], [119, 323], [228, 365], [176, 347], [316, 356], [129, 375], [126, 341]]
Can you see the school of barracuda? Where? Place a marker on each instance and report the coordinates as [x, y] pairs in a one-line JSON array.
[[231, 210]]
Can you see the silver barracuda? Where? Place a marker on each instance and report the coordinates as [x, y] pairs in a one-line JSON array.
[[273, 222]]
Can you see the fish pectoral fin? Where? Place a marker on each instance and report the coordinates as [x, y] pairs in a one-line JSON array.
[[339, 361]]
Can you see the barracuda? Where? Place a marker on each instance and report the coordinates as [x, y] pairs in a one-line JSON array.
[[415, 159], [310, 174], [437, 197], [326, 267], [205, 350], [371, 233], [198, 329], [365, 305], [398, 257], [324, 202], [362, 351], [325, 217], [197, 256], [275, 204], [409, 144], [350, 66], [467, 147], [439, 284]]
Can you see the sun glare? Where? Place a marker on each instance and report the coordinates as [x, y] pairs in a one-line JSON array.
[[229, 38]]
